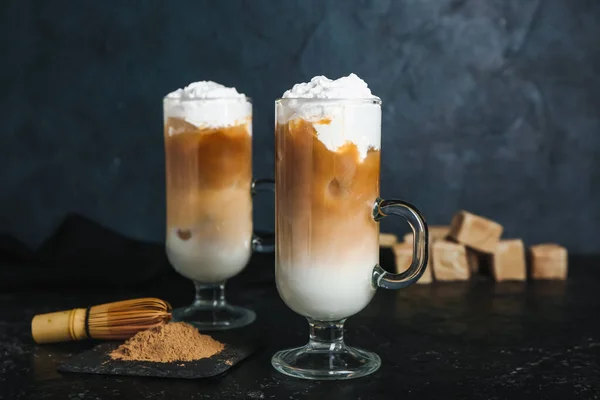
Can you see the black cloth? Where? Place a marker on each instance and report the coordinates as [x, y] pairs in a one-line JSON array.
[[81, 252]]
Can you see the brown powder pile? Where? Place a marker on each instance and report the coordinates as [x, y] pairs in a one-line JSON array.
[[175, 341]]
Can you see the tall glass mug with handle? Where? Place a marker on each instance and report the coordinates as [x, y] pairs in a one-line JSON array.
[[328, 136], [208, 151]]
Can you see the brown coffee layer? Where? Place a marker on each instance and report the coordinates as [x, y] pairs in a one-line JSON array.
[[206, 170], [324, 199]]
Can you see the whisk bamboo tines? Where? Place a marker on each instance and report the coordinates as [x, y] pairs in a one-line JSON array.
[[111, 321]]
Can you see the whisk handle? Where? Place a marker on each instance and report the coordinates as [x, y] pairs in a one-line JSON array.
[[61, 326]]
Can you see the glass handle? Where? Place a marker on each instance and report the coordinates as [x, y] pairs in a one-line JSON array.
[[265, 244], [413, 216]]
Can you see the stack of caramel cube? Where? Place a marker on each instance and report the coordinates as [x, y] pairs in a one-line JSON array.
[[458, 251]]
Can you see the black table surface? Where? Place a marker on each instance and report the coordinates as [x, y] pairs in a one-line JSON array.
[[469, 340]]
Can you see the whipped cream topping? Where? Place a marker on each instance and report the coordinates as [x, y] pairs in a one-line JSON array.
[[208, 104], [321, 87], [206, 90], [358, 122]]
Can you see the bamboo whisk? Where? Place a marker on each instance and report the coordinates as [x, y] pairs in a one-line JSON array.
[[111, 321]]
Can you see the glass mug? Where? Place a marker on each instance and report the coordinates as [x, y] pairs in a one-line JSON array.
[[327, 232], [209, 182]]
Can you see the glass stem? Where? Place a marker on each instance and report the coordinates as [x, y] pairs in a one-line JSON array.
[[326, 335], [210, 294]]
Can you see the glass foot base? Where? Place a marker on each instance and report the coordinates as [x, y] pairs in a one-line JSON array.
[[211, 318], [326, 364]]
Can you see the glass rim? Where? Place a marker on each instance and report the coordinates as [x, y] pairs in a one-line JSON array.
[[207, 99], [359, 100]]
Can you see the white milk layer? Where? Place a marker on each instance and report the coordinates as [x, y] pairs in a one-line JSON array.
[[326, 293], [342, 110], [205, 260], [207, 104]]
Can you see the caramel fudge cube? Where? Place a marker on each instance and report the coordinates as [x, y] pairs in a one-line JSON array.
[[508, 261], [387, 239], [548, 261], [450, 261], [476, 232], [403, 253], [436, 232]]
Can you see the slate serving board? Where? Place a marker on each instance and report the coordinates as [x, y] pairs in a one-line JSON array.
[[97, 361]]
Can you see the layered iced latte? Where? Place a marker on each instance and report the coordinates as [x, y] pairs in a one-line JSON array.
[[327, 138], [208, 149], [327, 180]]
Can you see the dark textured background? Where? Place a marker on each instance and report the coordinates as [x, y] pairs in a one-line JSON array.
[[491, 106]]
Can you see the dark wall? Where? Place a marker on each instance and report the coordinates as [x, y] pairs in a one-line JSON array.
[[490, 106]]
